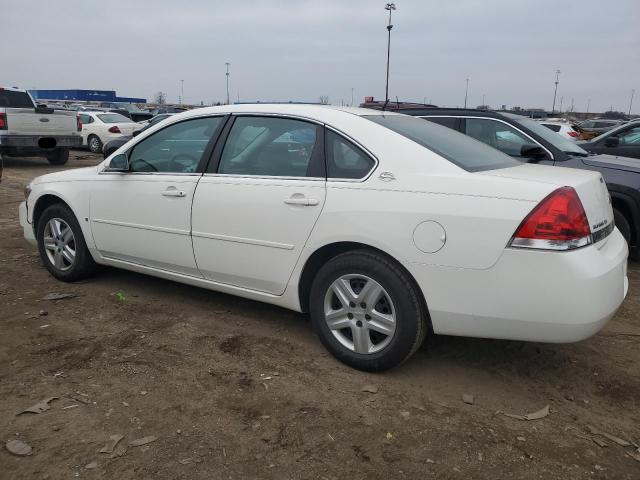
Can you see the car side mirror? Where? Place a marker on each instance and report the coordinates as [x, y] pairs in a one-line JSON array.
[[612, 142], [119, 163], [532, 151]]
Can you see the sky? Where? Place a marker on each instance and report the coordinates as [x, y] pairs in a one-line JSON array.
[[299, 50]]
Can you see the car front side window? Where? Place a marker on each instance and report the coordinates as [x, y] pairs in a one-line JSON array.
[[178, 148], [271, 146], [630, 136]]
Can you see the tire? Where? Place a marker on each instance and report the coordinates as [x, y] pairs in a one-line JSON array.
[[82, 264], [95, 144], [399, 299], [625, 229], [60, 156]]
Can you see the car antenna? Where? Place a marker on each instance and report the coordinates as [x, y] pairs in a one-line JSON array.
[[384, 107]]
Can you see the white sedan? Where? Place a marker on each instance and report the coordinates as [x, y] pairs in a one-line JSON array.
[[99, 128], [563, 129], [383, 226]]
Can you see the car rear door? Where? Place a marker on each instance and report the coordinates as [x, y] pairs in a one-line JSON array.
[[256, 206]]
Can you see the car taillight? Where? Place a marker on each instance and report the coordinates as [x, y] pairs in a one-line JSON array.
[[115, 129], [559, 222], [572, 134], [78, 123], [3, 121]]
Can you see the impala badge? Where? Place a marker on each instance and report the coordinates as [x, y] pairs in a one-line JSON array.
[[387, 176]]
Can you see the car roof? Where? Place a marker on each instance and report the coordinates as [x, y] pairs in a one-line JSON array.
[[318, 112]]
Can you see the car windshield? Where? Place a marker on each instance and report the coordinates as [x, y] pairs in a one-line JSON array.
[[114, 118], [459, 149], [558, 141]]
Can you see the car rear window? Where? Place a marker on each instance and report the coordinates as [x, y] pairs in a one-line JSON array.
[[13, 99], [114, 118], [459, 149]]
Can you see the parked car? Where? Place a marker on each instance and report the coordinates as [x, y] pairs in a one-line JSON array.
[[531, 142], [99, 128], [30, 130], [381, 225], [128, 110], [116, 143], [597, 126], [623, 140], [567, 130]]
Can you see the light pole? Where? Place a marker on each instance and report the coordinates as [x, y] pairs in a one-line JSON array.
[[561, 99], [352, 96], [466, 93], [553, 109], [227, 64], [588, 104], [633, 92], [181, 91], [390, 7], [483, 99]]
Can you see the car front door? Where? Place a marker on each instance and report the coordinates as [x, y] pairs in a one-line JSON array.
[[143, 216], [506, 138], [255, 208], [624, 143]]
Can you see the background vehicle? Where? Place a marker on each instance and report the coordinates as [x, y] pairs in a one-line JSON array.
[[623, 140], [128, 110], [403, 225], [116, 143], [528, 141], [567, 130], [99, 128], [27, 130], [597, 126]]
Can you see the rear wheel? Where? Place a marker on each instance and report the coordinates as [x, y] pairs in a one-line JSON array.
[[59, 156], [61, 244], [366, 311], [95, 144]]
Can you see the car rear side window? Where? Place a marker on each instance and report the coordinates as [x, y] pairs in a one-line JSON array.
[[270, 147], [13, 99], [344, 159], [459, 149]]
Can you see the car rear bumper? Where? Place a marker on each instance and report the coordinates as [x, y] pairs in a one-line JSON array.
[[33, 141], [530, 295], [27, 228]]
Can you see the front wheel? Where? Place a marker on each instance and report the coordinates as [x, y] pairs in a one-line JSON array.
[[61, 244], [366, 311]]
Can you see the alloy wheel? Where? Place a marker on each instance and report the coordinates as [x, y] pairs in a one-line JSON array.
[[60, 244], [360, 313]]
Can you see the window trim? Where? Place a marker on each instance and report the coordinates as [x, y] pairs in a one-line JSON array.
[[211, 169], [364, 149], [497, 120], [206, 155]]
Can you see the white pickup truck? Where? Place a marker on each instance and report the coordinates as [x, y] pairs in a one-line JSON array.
[[29, 130]]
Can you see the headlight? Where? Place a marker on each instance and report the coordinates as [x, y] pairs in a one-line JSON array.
[[27, 191]]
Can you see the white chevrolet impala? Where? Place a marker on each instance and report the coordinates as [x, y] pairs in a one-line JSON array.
[[382, 226]]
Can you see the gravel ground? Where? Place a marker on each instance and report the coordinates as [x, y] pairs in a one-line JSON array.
[[229, 388]]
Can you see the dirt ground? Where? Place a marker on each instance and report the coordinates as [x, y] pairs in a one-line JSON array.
[[236, 389]]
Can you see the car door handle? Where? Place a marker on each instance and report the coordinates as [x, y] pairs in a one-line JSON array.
[[174, 193], [301, 200]]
